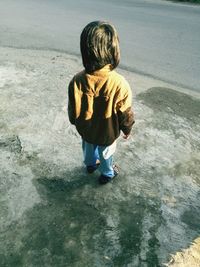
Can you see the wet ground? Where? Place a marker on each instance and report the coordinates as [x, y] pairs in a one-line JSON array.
[[52, 213]]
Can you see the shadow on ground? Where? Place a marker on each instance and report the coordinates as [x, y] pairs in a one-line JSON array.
[[75, 225]]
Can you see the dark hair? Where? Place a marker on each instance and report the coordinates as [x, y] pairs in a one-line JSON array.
[[99, 45]]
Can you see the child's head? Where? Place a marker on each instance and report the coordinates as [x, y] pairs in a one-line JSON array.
[[99, 46]]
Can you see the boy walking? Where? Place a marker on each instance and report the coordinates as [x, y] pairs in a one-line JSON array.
[[99, 99]]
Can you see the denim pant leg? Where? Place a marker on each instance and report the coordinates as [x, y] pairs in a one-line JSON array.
[[106, 159], [90, 153]]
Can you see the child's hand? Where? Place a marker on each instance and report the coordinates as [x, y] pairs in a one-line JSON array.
[[126, 136]]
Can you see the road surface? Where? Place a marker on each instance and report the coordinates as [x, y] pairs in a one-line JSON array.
[[158, 38]]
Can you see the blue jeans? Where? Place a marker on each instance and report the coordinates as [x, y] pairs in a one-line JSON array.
[[104, 154]]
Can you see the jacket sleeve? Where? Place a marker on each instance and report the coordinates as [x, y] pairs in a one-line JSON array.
[[71, 103], [124, 109]]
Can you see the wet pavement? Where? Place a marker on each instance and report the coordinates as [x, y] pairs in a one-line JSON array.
[[52, 213]]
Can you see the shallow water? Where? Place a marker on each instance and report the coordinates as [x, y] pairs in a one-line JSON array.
[[53, 214]]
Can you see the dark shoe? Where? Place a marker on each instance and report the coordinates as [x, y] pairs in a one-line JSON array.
[[91, 169], [105, 179]]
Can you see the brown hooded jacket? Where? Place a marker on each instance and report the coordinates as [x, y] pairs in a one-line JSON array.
[[99, 105]]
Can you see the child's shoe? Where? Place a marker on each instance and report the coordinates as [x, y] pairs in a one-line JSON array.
[[103, 179], [92, 168]]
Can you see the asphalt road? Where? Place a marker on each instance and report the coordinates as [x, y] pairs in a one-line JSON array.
[[158, 38]]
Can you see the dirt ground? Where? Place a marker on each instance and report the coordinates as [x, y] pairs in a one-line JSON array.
[[53, 214]]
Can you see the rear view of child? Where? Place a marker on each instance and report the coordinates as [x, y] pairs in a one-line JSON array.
[[100, 99]]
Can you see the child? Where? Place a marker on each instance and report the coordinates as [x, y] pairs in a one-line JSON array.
[[100, 99]]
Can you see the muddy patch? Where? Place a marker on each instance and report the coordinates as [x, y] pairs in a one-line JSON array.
[[171, 101]]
